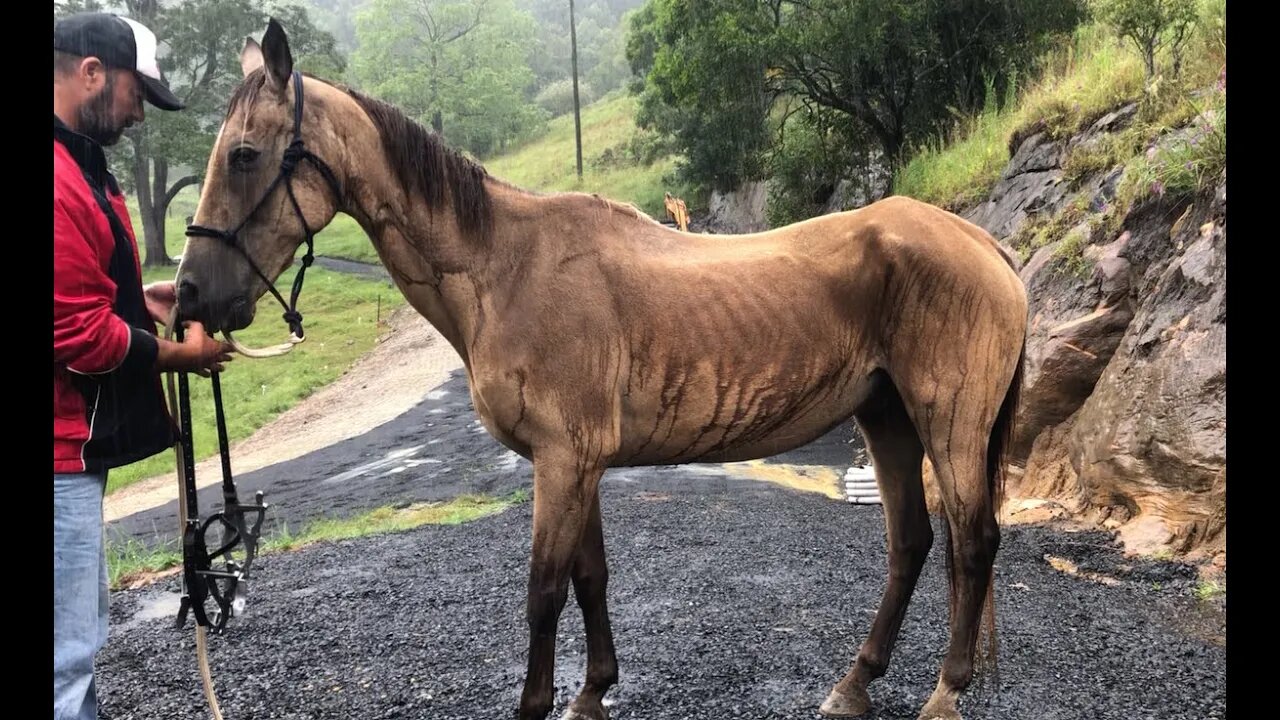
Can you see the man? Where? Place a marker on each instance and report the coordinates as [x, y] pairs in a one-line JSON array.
[[108, 406]]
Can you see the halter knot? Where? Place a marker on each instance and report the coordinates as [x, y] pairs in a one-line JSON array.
[[294, 319], [292, 156]]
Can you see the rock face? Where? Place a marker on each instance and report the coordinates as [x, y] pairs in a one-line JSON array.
[[1124, 407], [874, 182], [739, 211], [1151, 438], [1033, 182], [1075, 328]]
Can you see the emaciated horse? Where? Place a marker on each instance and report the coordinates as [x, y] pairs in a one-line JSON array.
[[594, 337]]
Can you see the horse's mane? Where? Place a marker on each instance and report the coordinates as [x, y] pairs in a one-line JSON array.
[[423, 162], [420, 159]]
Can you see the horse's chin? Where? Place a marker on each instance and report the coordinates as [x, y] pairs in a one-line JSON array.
[[239, 316], [236, 316]]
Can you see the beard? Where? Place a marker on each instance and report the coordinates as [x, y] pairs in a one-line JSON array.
[[95, 116]]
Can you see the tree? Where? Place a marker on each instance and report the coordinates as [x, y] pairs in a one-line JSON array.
[[458, 65], [1151, 25], [899, 68], [338, 18], [577, 108], [203, 39], [600, 33], [705, 81]]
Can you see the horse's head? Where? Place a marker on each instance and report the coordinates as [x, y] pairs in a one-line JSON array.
[[264, 192]]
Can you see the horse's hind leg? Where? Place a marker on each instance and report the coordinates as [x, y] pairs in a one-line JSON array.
[[957, 432], [563, 491], [896, 453], [590, 578]]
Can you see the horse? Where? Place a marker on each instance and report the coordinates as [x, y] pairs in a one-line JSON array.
[[594, 337]]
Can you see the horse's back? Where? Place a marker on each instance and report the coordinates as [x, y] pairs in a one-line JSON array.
[[914, 223], [928, 252]]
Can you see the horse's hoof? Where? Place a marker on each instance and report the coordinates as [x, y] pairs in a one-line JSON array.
[[939, 714], [575, 714], [839, 704]]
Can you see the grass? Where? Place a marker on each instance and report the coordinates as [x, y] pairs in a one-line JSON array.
[[1042, 229], [1087, 78], [1070, 254], [387, 519], [959, 174], [344, 238], [548, 164], [1186, 164], [1082, 81], [128, 560], [341, 319], [1209, 589]]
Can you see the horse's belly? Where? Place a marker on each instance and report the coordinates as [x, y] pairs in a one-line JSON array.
[[709, 417]]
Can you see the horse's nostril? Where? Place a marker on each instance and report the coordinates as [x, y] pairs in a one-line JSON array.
[[188, 296]]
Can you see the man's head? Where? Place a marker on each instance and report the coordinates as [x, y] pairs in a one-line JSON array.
[[104, 66]]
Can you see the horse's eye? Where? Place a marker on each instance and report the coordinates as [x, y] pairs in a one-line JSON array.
[[242, 158]]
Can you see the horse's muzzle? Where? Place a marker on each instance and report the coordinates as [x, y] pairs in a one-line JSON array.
[[233, 313]]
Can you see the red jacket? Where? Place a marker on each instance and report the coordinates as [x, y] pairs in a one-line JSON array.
[[108, 406]]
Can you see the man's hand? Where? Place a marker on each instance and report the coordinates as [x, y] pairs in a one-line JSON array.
[[160, 297], [207, 353], [198, 352]]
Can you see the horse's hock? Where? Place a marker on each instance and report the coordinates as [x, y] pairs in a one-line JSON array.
[[1123, 420]]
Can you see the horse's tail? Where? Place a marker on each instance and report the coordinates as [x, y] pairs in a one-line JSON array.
[[997, 462]]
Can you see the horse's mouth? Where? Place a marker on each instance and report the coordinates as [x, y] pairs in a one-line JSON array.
[[235, 315], [238, 316]]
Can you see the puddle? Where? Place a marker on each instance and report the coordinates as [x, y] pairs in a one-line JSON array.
[[159, 607]]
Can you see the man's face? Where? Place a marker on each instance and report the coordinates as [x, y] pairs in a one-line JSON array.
[[116, 106]]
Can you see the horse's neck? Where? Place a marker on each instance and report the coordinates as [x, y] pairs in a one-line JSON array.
[[444, 274]]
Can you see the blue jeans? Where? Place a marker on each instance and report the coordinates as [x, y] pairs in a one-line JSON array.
[[79, 592]]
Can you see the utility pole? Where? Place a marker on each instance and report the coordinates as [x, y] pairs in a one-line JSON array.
[[577, 115]]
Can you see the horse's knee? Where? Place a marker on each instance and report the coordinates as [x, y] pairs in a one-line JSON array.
[[991, 535], [907, 558], [591, 582], [977, 551], [916, 549], [544, 606]]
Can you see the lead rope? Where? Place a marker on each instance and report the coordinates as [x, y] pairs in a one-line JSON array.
[[202, 647]]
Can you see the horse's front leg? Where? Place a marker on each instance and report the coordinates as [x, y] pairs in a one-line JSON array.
[[564, 490], [590, 581]]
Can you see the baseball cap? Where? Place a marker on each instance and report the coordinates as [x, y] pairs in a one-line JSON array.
[[119, 43]]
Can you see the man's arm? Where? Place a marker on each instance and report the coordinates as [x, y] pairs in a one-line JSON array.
[[88, 337]]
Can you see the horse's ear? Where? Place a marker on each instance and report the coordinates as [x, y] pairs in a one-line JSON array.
[[250, 56], [278, 59]]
